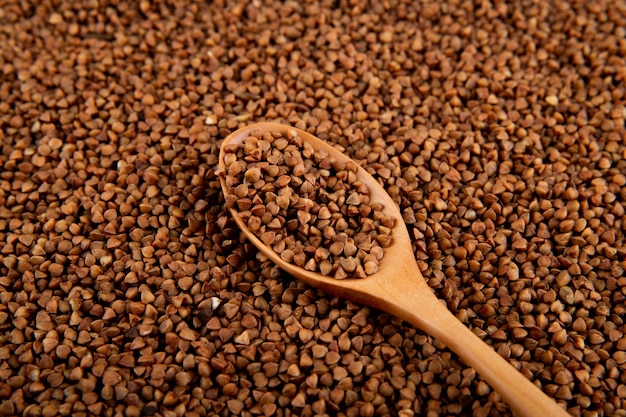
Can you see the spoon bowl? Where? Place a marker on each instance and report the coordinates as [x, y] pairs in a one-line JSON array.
[[398, 288]]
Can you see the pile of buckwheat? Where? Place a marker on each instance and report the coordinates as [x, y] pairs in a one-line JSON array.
[[126, 288], [310, 208]]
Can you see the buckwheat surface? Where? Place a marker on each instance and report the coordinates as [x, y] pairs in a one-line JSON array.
[[126, 289]]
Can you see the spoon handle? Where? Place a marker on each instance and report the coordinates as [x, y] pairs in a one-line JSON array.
[[418, 305]]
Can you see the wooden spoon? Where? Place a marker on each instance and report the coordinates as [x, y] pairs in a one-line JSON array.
[[399, 289]]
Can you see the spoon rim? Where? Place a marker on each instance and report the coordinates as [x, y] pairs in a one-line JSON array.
[[398, 250]]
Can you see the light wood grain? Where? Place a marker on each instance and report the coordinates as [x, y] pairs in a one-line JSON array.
[[399, 289]]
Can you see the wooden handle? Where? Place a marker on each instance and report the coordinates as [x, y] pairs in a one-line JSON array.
[[421, 308]]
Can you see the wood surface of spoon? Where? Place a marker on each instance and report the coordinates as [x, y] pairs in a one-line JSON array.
[[398, 288]]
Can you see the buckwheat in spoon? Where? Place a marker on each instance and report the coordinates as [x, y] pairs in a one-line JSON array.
[[323, 219]]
